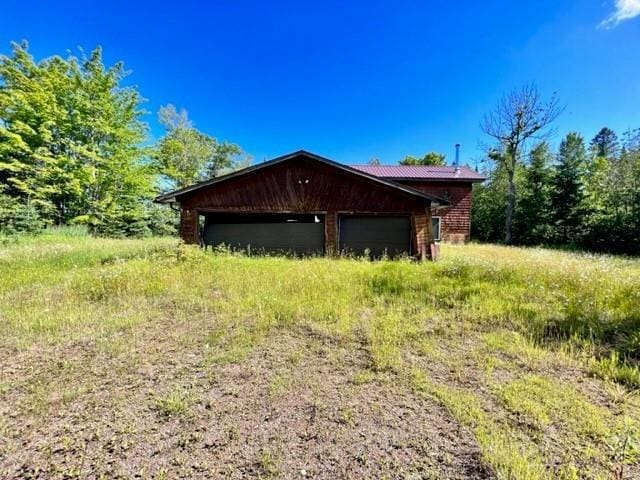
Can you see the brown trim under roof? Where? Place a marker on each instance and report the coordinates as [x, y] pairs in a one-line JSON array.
[[173, 196]]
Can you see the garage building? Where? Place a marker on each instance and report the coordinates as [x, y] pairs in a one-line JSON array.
[[302, 203]]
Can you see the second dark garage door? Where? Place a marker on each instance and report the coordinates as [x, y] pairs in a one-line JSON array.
[[377, 234], [270, 233]]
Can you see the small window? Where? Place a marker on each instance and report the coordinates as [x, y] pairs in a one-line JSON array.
[[435, 225]]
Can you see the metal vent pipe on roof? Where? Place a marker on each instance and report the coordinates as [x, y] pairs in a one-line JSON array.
[[457, 164]]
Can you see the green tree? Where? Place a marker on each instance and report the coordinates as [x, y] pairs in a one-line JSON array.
[[568, 189], [599, 176], [430, 158], [70, 139], [487, 207], [18, 216], [116, 172], [634, 237], [37, 157], [625, 193], [613, 195], [605, 143], [489, 198], [533, 218], [185, 155]]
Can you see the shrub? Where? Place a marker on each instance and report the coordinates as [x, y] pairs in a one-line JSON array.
[[18, 216], [122, 221], [162, 220]]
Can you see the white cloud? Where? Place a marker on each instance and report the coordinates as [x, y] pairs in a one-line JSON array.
[[625, 10]]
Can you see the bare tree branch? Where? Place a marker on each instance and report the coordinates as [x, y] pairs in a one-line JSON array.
[[520, 116]]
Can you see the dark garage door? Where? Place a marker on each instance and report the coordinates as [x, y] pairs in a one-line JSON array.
[[390, 235], [288, 234]]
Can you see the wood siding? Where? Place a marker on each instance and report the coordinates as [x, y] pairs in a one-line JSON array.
[[303, 186], [455, 223], [189, 226], [331, 233], [423, 235], [299, 185]]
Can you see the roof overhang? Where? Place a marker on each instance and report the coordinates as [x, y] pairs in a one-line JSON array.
[[175, 195]]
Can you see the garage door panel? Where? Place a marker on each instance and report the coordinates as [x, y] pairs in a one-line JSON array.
[[298, 238], [379, 235]]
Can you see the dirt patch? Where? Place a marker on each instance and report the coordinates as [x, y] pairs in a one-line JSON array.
[[299, 406]]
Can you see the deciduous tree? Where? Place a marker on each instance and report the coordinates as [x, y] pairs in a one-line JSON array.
[[520, 116], [430, 158], [70, 137], [185, 155]]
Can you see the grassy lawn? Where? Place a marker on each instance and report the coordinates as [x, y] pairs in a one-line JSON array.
[[142, 357]]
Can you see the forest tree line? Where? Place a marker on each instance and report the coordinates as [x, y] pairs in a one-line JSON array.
[[74, 148], [585, 195]]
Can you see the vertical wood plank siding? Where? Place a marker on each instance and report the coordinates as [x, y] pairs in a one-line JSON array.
[[419, 225], [331, 233], [302, 185], [189, 225]]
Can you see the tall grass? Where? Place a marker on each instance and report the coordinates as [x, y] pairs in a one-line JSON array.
[[551, 297], [67, 287]]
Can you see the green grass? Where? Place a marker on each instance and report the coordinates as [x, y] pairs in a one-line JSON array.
[[543, 401], [508, 340], [503, 448], [175, 403]]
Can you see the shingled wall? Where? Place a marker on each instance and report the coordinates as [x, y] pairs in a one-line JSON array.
[[455, 223]]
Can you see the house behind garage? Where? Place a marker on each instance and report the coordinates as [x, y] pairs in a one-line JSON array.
[[306, 204]]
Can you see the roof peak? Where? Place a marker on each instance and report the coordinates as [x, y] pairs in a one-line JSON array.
[[171, 196]]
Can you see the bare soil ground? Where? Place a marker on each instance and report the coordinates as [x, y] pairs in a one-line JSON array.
[[299, 405]]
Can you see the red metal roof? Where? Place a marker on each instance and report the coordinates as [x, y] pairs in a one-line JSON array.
[[421, 172]]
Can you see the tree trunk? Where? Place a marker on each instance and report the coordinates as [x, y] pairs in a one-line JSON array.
[[511, 204]]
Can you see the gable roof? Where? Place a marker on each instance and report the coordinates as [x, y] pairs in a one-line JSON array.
[[173, 196], [422, 172]]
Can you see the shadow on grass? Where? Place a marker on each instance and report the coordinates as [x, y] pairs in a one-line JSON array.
[[615, 343]]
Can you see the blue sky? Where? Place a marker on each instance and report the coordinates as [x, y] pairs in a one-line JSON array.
[[354, 80]]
